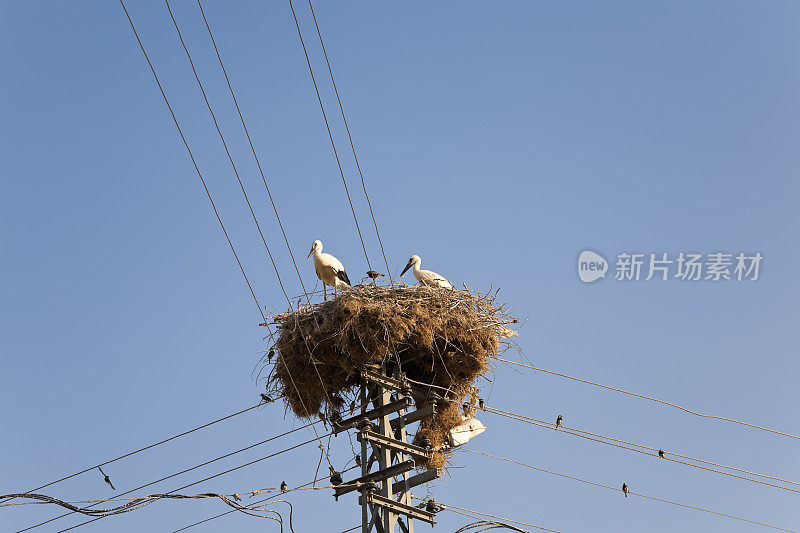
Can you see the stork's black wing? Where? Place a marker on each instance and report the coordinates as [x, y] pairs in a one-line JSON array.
[[342, 275]]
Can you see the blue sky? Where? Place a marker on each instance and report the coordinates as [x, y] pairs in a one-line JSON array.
[[498, 140]]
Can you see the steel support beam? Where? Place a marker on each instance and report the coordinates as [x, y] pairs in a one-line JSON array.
[[419, 479], [380, 475], [394, 444], [399, 508], [372, 414]]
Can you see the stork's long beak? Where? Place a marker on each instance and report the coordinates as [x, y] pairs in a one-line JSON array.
[[406, 268], [309, 253]]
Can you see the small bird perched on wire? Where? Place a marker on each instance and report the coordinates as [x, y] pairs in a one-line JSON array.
[[106, 478], [329, 269], [284, 486], [374, 275], [270, 355], [426, 277], [558, 421], [358, 459], [661, 454], [266, 399], [336, 400], [336, 477], [625, 489]]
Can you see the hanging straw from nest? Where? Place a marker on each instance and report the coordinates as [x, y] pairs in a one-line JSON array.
[[441, 338]]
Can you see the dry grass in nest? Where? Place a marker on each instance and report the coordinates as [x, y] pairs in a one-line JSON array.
[[442, 338]]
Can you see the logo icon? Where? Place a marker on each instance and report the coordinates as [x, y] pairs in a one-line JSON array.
[[591, 266]]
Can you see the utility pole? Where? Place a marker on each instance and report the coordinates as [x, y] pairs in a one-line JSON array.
[[386, 457]]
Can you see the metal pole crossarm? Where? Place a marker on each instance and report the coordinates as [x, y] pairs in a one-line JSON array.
[[417, 390], [380, 475], [399, 508], [372, 414], [415, 416], [419, 479], [394, 444], [401, 384]]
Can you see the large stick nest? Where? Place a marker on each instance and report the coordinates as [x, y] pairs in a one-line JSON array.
[[441, 338]]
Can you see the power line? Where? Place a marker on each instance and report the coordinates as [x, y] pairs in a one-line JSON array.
[[194, 162], [241, 185], [134, 452], [330, 135], [258, 164], [225, 146], [45, 499], [238, 178], [216, 212], [709, 511], [350, 138], [215, 475], [191, 155], [450, 507], [131, 504], [233, 165], [660, 452], [197, 169], [643, 449], [260, 501], [485, 525], [471, 514], [733, 420], [610, 441], [252, 147], [195, 467]]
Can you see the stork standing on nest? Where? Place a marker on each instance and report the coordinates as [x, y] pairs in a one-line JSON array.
[[426, 277], [329, 269]]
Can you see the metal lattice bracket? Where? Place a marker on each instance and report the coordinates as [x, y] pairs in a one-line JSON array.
[[387, 457]]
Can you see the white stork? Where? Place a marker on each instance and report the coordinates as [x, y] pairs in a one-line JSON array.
[[426, 277], [329, 269]]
